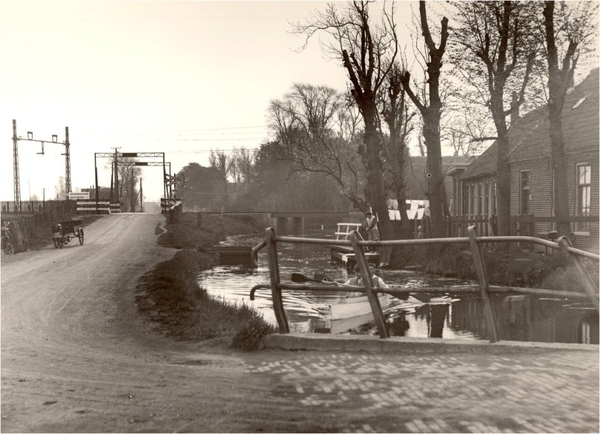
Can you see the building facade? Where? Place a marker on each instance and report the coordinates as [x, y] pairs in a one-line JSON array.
[[531, 169]]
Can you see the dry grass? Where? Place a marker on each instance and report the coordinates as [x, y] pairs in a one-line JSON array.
[[171, 298]]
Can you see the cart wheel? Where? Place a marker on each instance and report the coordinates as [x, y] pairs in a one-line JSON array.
[[80, 236], [56, 243]]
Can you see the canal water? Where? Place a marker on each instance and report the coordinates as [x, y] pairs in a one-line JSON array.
[[521, 318]]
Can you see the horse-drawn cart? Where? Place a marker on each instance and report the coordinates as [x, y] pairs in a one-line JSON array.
[[63, 232]]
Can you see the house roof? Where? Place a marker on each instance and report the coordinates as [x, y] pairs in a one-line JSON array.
[[529, 138]]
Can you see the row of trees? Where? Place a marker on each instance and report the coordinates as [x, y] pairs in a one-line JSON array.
[[474, 68], [492, 47]]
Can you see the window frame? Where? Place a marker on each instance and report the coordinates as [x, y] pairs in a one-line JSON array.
[[524, 189], [579, 189]]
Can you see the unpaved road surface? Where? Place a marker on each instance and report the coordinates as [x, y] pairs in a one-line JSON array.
[[77, 357]]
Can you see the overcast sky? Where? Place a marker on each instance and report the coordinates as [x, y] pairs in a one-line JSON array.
[[173, 77], [148, 76]]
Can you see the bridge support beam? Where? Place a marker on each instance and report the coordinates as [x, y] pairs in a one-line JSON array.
[[298, 225], [281, 225]]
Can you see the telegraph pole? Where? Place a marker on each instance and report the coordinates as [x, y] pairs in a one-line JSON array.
[[141, 197], [132, 191], [17, 181], [67, 154], [96, 176], [67, 162], [117, 195]]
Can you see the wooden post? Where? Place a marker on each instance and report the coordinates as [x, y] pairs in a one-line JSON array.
[[361, 260], [584, 276], [275, 281], [490, 319]]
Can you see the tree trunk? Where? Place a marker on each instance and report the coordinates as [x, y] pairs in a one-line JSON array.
[[401, 198], [435, 179], [502, 166], [375, 179], [559, 161]]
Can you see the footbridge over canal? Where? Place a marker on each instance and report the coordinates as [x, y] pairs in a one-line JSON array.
[[286, 222]]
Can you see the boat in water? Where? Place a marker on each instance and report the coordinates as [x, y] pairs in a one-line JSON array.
[[354, 312]]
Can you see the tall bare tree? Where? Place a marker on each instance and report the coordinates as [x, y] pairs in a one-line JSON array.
[[367, 52], [222, 163], [398, 118], [496, 37], [316, 131], [431, 115], [128, 174], [244, 163], [567, 31]]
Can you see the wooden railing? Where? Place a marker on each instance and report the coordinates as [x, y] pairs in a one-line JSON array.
[[474, 242]]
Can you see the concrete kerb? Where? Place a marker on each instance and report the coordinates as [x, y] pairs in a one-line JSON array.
[[402, 345]]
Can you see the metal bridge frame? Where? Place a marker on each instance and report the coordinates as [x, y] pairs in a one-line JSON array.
[[167, 179], [16, 176]]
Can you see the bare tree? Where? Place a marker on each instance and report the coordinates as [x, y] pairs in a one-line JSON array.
[[60, 188], [316, 131], [398, 118], [431, 115], [129, 175], [367, 53], [496, 38], [222, 163], [244, 163], [566, 34]]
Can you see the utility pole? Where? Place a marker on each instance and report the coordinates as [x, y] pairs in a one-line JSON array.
[[67, 155], [17, 181], [117, 194], [96, 178], [132, 191], [141, 197], [112, 178]]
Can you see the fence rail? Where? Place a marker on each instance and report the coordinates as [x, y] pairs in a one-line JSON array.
[[472, 240]]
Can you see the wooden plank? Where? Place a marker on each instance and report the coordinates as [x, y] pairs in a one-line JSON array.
[[275, 281], [584, 276], [368, 282], [490, 319]]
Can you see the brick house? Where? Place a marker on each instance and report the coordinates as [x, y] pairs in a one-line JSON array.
[[531, 173]]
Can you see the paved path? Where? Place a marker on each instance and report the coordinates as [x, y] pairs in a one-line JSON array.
[[530, 391]]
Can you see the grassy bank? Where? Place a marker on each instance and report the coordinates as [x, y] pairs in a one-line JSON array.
[[517, 267], [170, 297]]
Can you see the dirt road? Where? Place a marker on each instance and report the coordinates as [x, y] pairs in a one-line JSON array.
[[77, 357]]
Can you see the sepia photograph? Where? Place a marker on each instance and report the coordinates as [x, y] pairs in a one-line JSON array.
[[299, 216]]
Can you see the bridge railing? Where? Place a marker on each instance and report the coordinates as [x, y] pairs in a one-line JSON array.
[[474, 242]]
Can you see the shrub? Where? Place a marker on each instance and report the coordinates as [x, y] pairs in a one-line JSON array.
[[248, 338]]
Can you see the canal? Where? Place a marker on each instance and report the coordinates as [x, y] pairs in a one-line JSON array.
[[521, 318]]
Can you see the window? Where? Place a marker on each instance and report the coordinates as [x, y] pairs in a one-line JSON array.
[[584, 194], [525, 194]]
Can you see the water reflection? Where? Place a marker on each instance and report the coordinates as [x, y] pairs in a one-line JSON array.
[[521, 318]]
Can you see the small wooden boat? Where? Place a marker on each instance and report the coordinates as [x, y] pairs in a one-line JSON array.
[[354, 312]]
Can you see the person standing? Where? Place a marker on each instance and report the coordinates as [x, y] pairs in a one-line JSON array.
[[371, 227]]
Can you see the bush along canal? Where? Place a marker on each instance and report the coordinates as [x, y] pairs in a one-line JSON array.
[[520, 318]]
